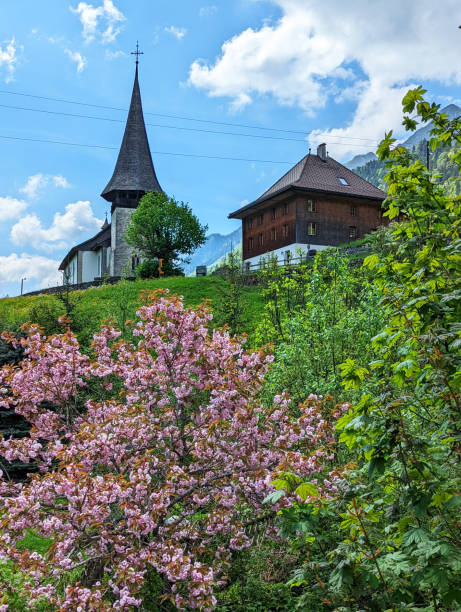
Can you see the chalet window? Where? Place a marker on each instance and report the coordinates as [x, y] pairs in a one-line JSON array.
[[353, 210], [311, 229], [311, 207], [274, 234], [261, 219], [273, 213], [250, 243], [285, 230], [352, 232], [343, 181], [261, 239], [250, 222], [247, 266], [285, 209]]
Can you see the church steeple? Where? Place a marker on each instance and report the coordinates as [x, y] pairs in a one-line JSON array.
[[134, 172]]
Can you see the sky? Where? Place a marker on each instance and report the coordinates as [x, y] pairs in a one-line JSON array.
[[256, 82]]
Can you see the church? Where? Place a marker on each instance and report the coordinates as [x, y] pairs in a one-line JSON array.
[[107, 254]]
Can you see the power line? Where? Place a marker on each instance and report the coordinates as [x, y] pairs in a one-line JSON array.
[[76, 144], [159, 125], [171, 127], [253, 127]]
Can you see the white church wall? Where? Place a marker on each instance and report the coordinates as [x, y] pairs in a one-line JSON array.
[[70, 273], [90, 266]]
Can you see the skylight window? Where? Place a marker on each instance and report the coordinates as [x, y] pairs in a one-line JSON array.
[[343, 181]]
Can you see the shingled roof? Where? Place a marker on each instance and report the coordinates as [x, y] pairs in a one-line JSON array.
[[134, 170], [102, 239], [320, 175]]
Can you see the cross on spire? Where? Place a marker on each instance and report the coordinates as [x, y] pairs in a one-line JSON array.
[[137, 53]]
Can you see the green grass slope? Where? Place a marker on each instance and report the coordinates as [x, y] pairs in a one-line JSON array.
[[92, 306]]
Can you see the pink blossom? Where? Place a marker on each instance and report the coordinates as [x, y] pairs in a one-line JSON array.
[[148, 452]]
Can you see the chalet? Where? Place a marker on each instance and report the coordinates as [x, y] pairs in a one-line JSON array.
[[317, 204]]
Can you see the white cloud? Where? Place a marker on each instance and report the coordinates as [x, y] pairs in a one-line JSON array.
[[206, 11], [78, 58], [8, 59], [77, 222], [90, 17], [37, 183], [111, 55], [178, 33], [318, 52], [10, 208], [42, 270]]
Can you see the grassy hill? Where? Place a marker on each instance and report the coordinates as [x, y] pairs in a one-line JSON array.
[[92, 306]]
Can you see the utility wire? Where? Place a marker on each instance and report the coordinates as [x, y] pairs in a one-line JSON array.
[[76, 144], [253, 127], [171, 127]]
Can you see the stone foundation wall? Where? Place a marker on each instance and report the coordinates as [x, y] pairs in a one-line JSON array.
[[112, 280]]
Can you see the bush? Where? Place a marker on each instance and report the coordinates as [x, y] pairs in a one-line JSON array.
[[157, 453]]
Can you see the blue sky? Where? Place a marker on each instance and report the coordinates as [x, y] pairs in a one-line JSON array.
[[320, 70]]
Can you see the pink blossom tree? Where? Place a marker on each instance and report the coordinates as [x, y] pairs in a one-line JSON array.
[[156, 452]]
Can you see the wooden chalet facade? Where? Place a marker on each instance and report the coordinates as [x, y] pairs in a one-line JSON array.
[[317, 204]]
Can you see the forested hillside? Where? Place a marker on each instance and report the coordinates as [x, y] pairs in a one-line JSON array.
[[439, 164]]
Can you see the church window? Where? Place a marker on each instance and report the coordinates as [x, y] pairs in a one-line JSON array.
[[99, 263], [134, 262], [352, 232], [311, 207], [312, 229]]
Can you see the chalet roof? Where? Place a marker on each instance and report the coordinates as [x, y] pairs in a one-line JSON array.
[[134, 170], [314, 174], [102, 239]]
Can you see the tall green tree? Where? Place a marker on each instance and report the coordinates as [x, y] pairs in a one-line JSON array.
[[162, 228]]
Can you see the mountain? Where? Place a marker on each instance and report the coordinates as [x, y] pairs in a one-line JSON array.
[[373, 170], [366, 165], [424, 132], [360, 160], [215, 247]]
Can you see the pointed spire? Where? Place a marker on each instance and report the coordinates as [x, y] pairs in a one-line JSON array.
[[134, 170], [105, 224]]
